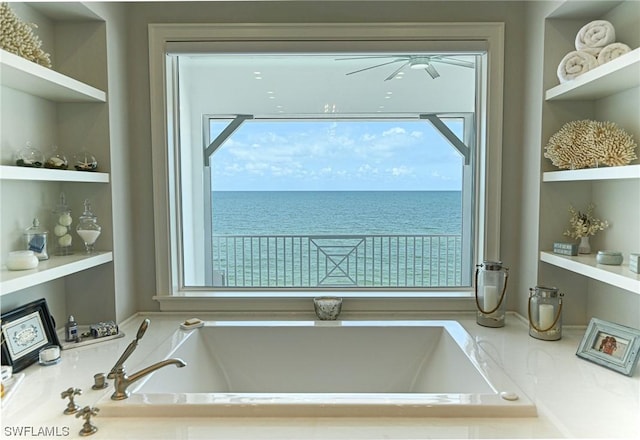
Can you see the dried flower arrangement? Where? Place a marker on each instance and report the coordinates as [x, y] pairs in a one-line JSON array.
[[17, 37], [586, 143], [584, 224]]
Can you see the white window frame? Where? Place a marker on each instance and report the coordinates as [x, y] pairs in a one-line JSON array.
[[242, 37]]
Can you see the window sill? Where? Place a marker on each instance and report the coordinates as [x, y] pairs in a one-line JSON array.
[[413, 303]]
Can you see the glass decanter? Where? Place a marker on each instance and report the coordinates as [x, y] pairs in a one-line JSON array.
[[88, 228], [62, 227]]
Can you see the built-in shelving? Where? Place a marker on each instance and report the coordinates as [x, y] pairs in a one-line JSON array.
[[606, 173], [51, 269], [21, 74], [619, 276], [51, 175], [615, 76]]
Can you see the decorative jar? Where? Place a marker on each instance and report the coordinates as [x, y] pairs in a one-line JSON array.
[[84, 161], [88, 228], [62, 227], [56, 160], [29, 156], [545, 313], [612, 258], [36, 240], [491, 286]]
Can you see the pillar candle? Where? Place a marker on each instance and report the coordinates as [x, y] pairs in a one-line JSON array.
[[545, 313], [490, 298]]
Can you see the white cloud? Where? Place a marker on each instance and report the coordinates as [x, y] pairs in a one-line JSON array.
[[394, 131], [401, 171]]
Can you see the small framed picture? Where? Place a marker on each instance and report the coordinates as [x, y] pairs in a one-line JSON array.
[[25, 331], [611, 345]]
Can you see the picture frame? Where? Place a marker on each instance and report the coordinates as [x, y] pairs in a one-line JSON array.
[[611, 345], [25, 331]]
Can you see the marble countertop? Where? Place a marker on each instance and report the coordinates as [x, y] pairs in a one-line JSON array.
[[574, 398]]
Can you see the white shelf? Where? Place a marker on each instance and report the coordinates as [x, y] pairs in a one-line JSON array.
[[8, 172], [51, 269], [618, 276], [615, 76], [584, 9], [607, 173], [21, 74]]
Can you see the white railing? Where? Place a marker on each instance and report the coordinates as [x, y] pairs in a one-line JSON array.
[[316, 261]]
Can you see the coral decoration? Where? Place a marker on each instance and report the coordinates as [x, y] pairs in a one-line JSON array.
[[17, 37], [586, 143]]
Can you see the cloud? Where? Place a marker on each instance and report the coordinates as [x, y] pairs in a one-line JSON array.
[[401, 171], [394, 131]]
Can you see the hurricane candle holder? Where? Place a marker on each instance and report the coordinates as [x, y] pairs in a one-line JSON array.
[[491, 287], [545, 313]]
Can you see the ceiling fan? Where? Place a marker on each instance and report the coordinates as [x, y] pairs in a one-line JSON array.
[[412, 61]]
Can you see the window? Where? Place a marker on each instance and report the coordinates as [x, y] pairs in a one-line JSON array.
[[259, 138]]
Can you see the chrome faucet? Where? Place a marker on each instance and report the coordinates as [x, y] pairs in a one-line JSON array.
[[118, 373]]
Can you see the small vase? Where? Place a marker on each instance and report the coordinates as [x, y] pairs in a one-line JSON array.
[[584, 247]]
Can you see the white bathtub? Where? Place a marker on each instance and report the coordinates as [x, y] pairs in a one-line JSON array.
[[325, 368]]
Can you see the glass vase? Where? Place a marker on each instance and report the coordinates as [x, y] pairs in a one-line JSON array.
[[584, 247]]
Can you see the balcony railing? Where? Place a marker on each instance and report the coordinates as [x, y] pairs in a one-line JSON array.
[[316, 261]]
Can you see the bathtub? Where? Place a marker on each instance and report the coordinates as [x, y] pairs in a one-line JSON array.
[[324, 368]]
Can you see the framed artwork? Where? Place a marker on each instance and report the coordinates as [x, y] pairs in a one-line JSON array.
[[611, 345], [25, 331]]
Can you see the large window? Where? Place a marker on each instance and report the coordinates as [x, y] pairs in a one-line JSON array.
[[317, 169], [339, 202]]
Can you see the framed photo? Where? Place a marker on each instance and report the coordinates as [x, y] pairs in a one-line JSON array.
[[25, 331], [611, 345]]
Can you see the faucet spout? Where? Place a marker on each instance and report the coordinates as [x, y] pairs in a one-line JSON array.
[[122, 380]]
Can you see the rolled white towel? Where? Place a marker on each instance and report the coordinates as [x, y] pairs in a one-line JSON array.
[[612, 51], [598, 33], [575, 64], [595, 51]]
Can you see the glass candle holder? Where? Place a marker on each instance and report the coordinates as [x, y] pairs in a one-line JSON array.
[[491, 286], [88, 228], [545, 313]]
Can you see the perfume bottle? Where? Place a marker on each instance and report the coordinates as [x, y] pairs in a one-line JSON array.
[[62, 228], [36, 240], [88, 228]]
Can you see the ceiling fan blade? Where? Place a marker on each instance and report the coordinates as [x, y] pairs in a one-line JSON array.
[[395, 72], [373, 67], [453, 61], [432, 71], [371, 57]]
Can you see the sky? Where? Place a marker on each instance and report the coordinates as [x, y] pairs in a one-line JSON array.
[[330, 155]]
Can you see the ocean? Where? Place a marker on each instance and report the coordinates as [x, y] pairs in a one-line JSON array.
[[336, 212], [337, 238]]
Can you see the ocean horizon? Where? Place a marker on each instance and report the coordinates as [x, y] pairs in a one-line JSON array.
[[336, 212]]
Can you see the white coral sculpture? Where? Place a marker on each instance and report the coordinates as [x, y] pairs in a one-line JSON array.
[[17, 37], [586, 143]]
